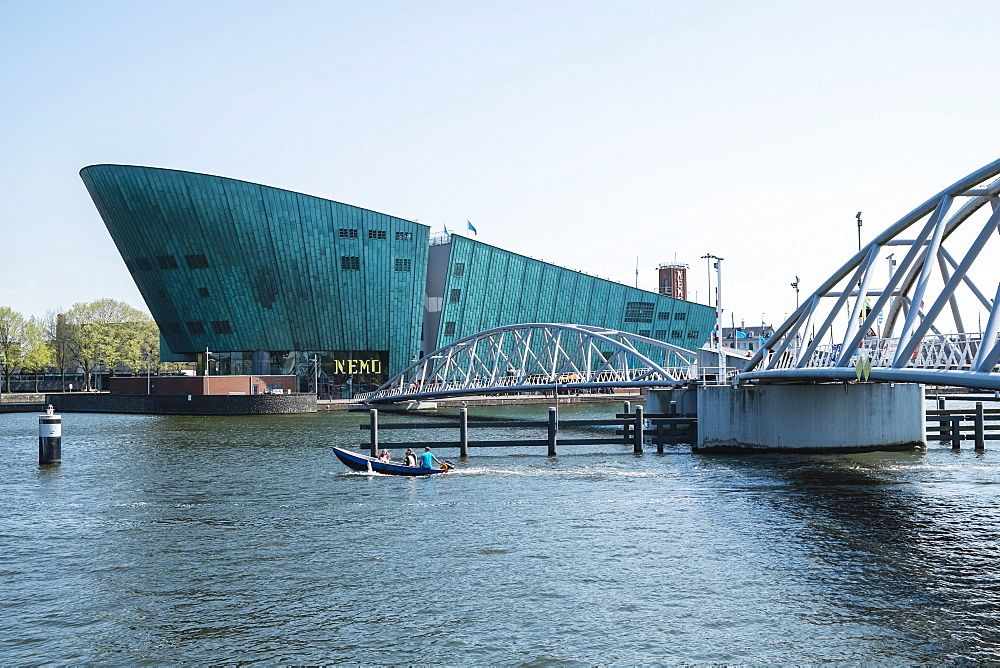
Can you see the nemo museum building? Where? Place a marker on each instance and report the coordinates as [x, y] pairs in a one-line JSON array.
[[277, 282]]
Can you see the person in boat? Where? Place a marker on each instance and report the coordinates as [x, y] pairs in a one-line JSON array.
[[385, 456], [427, 459], [411, 458]]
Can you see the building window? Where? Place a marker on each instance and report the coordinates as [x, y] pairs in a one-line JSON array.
[[376, 234], [195, 327], [455, 297], [173, 328], [202, 292], [222, 327], [167, 262], [350, 263], [196, 261], [692, 333], [676, 333], [449, 329], [644, 332], [639, 311], [663, 316], [346, 233], [402, 264], [404, 236], [661, 334], [143, 264], [680, 316], [460, 269]]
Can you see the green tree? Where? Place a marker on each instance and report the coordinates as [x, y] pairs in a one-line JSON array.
[[56, 333], [110, 333], [22, 346]]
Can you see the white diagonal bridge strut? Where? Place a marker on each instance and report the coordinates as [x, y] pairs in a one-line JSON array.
[[909, 321], [538, 356]]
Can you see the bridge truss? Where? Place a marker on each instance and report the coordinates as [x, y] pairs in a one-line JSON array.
[[537, 357], [909, 325]]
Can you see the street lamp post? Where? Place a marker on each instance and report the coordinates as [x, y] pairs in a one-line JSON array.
[[208, 371], [796, 286], [718, 309], [859, 229]]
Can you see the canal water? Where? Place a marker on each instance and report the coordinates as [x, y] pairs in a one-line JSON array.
[[243, 540]]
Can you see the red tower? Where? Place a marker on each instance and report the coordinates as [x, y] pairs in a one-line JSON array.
[[673, 280]]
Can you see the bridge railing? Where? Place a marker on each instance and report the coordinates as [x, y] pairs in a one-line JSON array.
[[536, 381], [937, 351]]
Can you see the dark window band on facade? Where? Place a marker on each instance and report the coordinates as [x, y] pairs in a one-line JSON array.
[[346, 233], [676, 333], [449, 329], [680, 316], [460, 269], [167, 262], [195, 327], [455, 297], [661, 334], [196, 261], [174, 328], [663, 316], [644, 332], [404, 236], [403, 264], [222, 327], [376, 234], [639, 311], [350, 263], [692, 333], [143, 264], [202, 292]]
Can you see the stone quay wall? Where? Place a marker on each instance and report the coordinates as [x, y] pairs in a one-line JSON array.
[[171, 404]]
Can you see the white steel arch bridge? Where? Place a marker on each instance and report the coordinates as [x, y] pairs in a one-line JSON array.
[[913, 323], [537, 357]]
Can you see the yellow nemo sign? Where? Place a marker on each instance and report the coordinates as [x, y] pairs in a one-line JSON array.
[[352, 367]]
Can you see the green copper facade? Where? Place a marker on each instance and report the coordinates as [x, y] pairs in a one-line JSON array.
[[236, 266], [270, 280], [485, 286]]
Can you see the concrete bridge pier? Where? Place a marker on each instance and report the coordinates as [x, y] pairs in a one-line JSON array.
[[825, 417]]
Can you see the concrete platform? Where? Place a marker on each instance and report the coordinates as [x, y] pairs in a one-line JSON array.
[[826, 417]]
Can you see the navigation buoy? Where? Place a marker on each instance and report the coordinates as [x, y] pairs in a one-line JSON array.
[[49, 438]]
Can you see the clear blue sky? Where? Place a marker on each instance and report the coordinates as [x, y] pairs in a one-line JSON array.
[[581, 133]]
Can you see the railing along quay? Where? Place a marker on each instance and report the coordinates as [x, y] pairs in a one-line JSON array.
[[634, 428]]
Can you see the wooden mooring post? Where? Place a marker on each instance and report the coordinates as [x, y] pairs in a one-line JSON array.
[[631, 430], [980, 425], [463, 432], [640, 431], [553, 430]]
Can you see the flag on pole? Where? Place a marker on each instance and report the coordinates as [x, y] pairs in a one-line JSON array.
[[445, 228], [471, 228]]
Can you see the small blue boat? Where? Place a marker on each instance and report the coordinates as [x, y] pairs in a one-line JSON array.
[[365, 463]]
